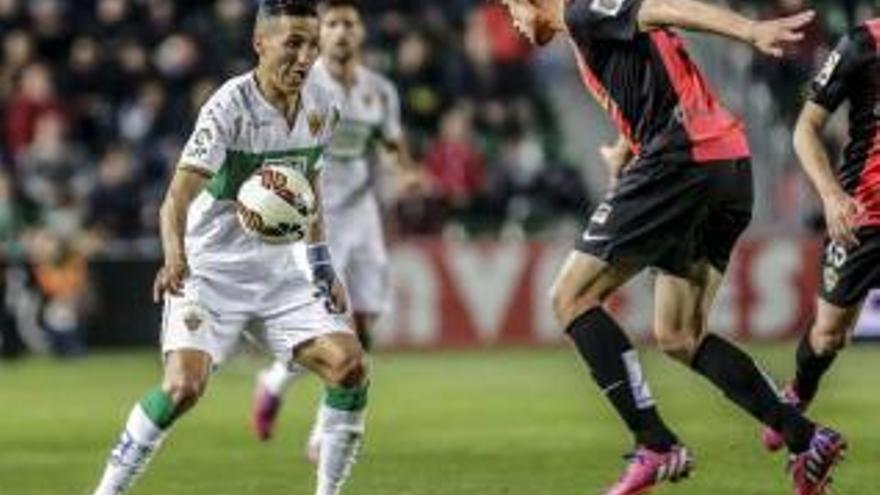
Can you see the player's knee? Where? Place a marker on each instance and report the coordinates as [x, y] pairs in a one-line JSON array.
[[679, 343], [829, 339], [355, 375], [567, 305], [184, 392], [348, 369]]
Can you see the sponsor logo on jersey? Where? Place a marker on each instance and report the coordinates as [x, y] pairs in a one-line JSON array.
[[607, 7], [828, 69], [296, 162]]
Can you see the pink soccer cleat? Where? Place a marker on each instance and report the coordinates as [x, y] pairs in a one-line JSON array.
[[264, 411], [648, 468], [811, 469], [773, 439]]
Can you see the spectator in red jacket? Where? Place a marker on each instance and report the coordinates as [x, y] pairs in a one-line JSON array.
[[34, 97], [454, 161]]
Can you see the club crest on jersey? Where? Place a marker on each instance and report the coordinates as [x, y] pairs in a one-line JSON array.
[[193, 318], [830, 278], [316, 123], [600, 216]]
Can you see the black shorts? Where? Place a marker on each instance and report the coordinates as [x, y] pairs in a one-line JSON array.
[[848, 275], [672, 216]]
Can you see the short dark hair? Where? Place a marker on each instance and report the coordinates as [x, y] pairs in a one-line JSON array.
[[297, 8], [325, 5]]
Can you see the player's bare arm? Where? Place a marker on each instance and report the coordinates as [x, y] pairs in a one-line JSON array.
[[768, 37], [616, 157], [397, 155], [186, 184], [324, 276], [842, 211]]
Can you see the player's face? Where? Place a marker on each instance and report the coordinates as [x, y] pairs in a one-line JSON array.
[[287, 46], [533, 18], [342, 33]]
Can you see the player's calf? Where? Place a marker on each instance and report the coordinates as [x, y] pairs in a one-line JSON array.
[[340, 361], [186, 375]]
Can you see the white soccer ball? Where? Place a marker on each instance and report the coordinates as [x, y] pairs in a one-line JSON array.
[[276, 204]]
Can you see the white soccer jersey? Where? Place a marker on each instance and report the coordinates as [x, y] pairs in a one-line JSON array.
[[370, 111], [237, 132]]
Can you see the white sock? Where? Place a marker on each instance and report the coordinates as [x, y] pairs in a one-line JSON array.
[[341, 436], [279, 376], [132, 453]]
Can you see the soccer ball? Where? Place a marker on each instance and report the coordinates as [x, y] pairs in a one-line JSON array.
[[276, 204]]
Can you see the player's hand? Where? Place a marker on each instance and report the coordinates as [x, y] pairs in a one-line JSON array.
[[410, 181], [842, 216], [170, 278], [770, 37], [328, 286], [616, 158]]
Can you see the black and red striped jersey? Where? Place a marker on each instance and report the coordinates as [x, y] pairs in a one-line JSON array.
[[648, 84], [852, 73]]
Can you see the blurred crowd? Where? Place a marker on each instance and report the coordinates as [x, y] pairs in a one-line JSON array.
[[98, 96]]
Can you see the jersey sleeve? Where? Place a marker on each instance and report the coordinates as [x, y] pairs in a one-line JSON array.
[[207, 146], [831, 86], [392, 128], [615, 20]]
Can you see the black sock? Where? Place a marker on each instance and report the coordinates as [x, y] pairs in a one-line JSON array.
[[810, 369], [737, 375], [614, 365]]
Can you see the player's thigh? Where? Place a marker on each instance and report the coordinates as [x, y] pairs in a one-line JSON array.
[[368, 284], [193, 323], [835, 322], [732, 194], [315, 338], [585, 281], [682, 303], [849, 274], [650, 218], [337, 358]]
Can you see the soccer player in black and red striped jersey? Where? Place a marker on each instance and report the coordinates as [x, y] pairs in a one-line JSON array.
[[681, 201], [851, 199]]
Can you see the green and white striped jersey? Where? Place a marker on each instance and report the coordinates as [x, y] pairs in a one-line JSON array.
[[237, 132], [370, 113]]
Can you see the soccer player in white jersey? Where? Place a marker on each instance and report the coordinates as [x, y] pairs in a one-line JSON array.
[[370, 120], [216, 278]]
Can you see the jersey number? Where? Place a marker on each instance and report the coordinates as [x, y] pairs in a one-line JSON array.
[[607, 7]]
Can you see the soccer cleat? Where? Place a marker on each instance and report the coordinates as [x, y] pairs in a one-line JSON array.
[[264, 412], [648, 468], [811, 469], [773, 439]]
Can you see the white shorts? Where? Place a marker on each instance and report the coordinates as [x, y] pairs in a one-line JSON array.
[[357, 245], [214, 311]]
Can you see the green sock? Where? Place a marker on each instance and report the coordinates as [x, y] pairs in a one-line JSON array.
[[159, 408], [347, 399]]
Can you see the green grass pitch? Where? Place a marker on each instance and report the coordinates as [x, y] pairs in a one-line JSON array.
[[500, 422]]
